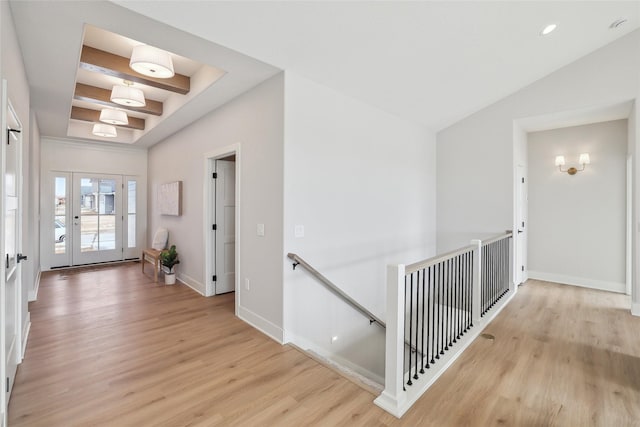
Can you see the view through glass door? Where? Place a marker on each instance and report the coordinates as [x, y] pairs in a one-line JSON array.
[[97, 218]]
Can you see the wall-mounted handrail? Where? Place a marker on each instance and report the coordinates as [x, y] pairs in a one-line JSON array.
[[333, 288]]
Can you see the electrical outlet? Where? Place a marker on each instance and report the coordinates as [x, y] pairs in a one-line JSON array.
[[246, 283], [298, 231], [260, 230]]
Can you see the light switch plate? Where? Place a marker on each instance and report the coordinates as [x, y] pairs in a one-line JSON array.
[[260, 229]]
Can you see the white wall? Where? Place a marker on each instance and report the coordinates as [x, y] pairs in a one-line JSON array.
[[476, 155], [254, 120], [577, 224], [89, 157], [362, 183]]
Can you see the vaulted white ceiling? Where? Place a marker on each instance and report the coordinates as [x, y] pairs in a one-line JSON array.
[[432, 62]]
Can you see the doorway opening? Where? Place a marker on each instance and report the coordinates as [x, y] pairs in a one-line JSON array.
[[560, 213], [222, 221], [94, 219]]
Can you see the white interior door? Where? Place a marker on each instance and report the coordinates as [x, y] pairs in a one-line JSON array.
[[97, 218], [520, 232], [10, 291], [225, 229]]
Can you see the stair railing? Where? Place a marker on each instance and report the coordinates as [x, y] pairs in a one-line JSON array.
[[438, 307], [336, 290]]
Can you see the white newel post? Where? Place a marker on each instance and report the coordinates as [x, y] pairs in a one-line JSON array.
[[477, 282], [393, 395]]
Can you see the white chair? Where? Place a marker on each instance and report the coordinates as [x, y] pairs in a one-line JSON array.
[[152, 254]]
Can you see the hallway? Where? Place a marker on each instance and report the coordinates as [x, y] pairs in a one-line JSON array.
[[110, 347]]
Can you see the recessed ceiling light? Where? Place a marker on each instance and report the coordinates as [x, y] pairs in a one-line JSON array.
[[615, 24], [548, 29]]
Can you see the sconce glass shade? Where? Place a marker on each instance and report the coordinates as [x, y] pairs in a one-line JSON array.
[[584, 159], [114, 117], [559, 160], [152, 62], [127, 95], [107, 131]]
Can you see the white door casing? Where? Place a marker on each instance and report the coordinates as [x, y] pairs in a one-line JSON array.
[[225, 206]]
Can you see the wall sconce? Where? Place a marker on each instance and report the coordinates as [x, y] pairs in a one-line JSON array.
[[584, 160]]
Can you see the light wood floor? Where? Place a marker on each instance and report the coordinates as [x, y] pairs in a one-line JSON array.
[[109, 347]]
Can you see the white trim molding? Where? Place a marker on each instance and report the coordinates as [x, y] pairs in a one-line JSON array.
[[340, 363], [33, 293], [192, 283], [635, 309], [260, 323], [25, 335], [583, 282]]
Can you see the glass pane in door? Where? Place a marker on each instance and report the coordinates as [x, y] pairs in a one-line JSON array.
[[131, 214], [97, 214], [60, 214]]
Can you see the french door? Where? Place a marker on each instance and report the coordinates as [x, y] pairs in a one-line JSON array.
[[94, 218], [97, 218]]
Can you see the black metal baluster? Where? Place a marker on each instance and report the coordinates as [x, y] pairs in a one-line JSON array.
[[440, 309], [428, 308], [450, 304], [465, 321], [447, 273], [459, 296], [455, 333], [415, 375], [433, 313], [424, 302], [410, 325], [471, 261], [404, 306]]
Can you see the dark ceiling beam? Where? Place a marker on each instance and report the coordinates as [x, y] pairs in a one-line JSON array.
[[101, 96], [97, 60], [88, 115]]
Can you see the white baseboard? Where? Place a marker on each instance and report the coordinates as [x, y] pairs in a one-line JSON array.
[[260, 323], [601, 285], [310, 346], [192, 283], [635, 309], [33, 293], [25, 335]]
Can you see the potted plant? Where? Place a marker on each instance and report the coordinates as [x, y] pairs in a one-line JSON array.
[[169, 258]]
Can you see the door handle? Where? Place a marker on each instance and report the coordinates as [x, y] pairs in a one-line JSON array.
[[520, 231], [21, 258]]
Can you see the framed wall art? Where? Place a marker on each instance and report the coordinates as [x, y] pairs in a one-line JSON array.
[[170, 198]]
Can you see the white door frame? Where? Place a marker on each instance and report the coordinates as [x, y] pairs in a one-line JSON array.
[[629, 231], [520, 226], [209, 215], [16, 353]]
